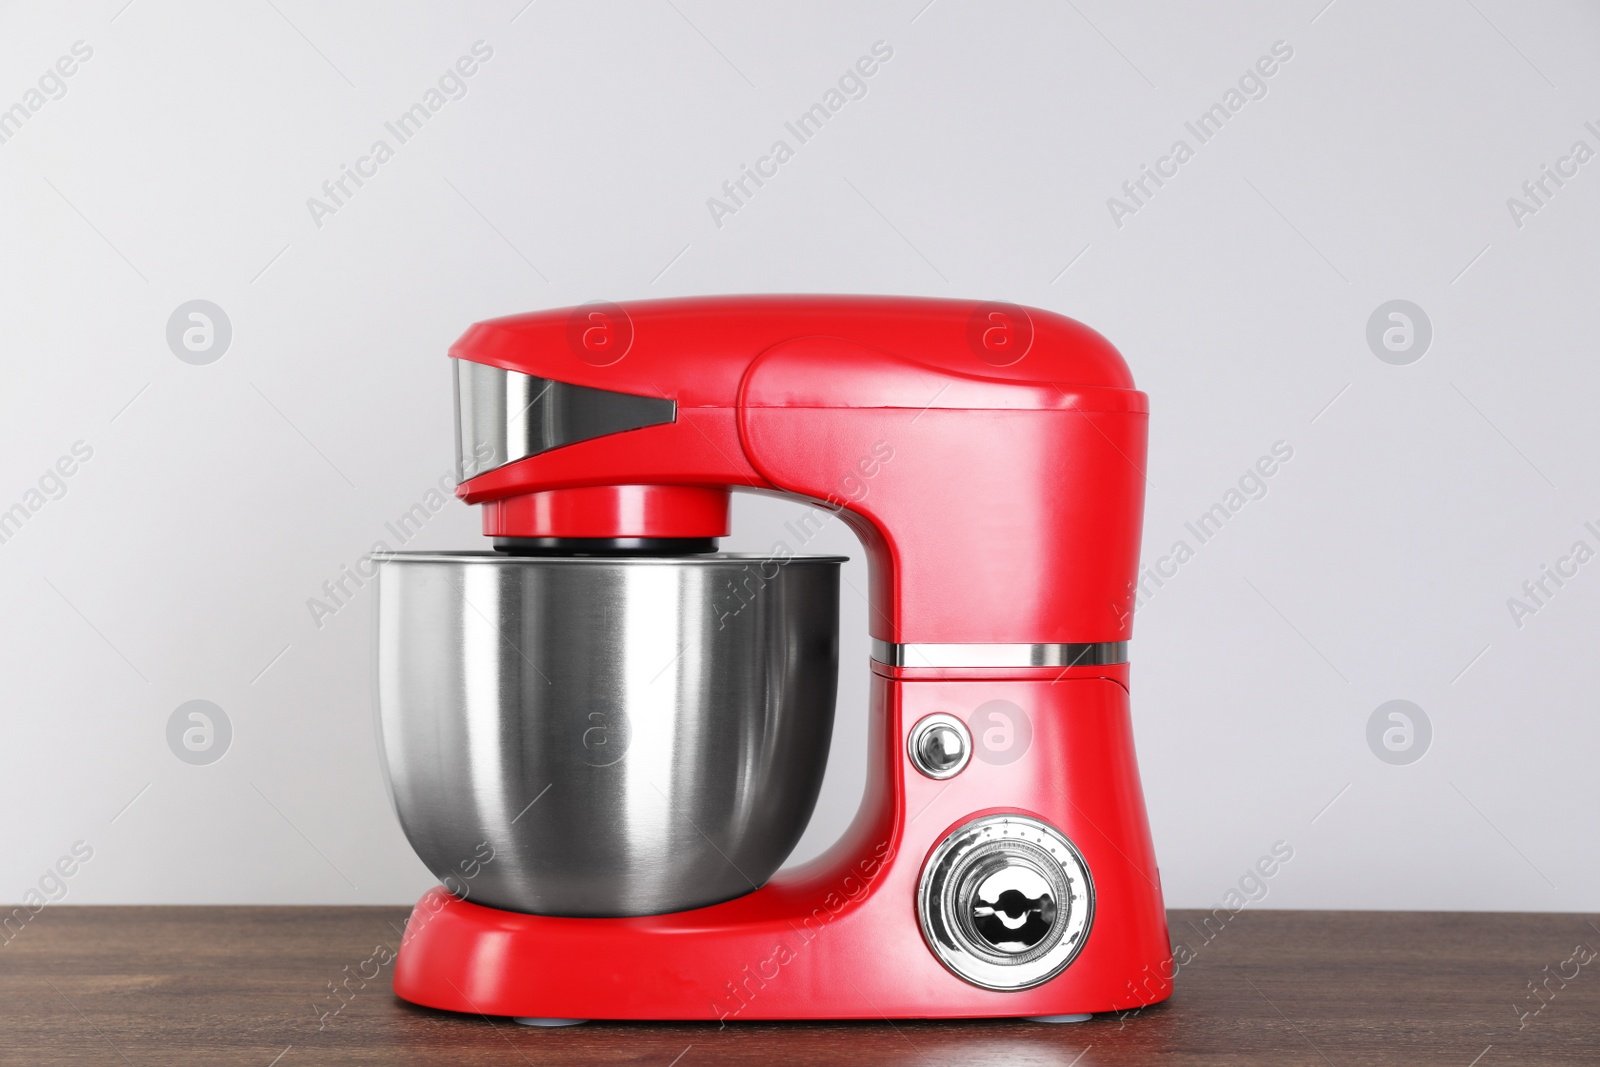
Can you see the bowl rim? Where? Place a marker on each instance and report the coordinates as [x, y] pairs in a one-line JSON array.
[[491, 557]]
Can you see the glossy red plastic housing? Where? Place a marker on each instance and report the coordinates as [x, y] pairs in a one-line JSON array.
[[990, 457], [991, 460], [838, 938], [610, 511]]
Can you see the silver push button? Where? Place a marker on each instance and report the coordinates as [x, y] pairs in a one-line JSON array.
[[939, 745]]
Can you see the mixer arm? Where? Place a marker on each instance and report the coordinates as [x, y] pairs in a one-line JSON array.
[[992, 511], [999, 502]]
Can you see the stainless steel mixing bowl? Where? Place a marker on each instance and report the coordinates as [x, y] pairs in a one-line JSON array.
[[622, 736]]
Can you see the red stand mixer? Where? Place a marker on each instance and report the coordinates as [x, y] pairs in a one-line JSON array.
[[605, 737]]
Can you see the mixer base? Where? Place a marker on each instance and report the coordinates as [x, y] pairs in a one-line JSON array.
[[839, 938]]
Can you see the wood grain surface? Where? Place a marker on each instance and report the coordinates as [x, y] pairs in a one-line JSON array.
[[250, 986]]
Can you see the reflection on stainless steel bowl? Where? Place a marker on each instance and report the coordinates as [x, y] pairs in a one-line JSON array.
[[633, 736]]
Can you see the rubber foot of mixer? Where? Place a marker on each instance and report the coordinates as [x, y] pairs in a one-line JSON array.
[[532, 1021], [1056, 1020]]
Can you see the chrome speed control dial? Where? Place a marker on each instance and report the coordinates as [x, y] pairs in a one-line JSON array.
[[1006, 902], [939, 745]]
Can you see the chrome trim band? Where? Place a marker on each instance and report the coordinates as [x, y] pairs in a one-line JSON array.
[[1080, 654]]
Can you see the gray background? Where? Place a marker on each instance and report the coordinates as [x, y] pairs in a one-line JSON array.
[[178, 563]]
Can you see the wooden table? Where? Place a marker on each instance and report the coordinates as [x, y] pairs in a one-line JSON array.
[[223, 986]]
